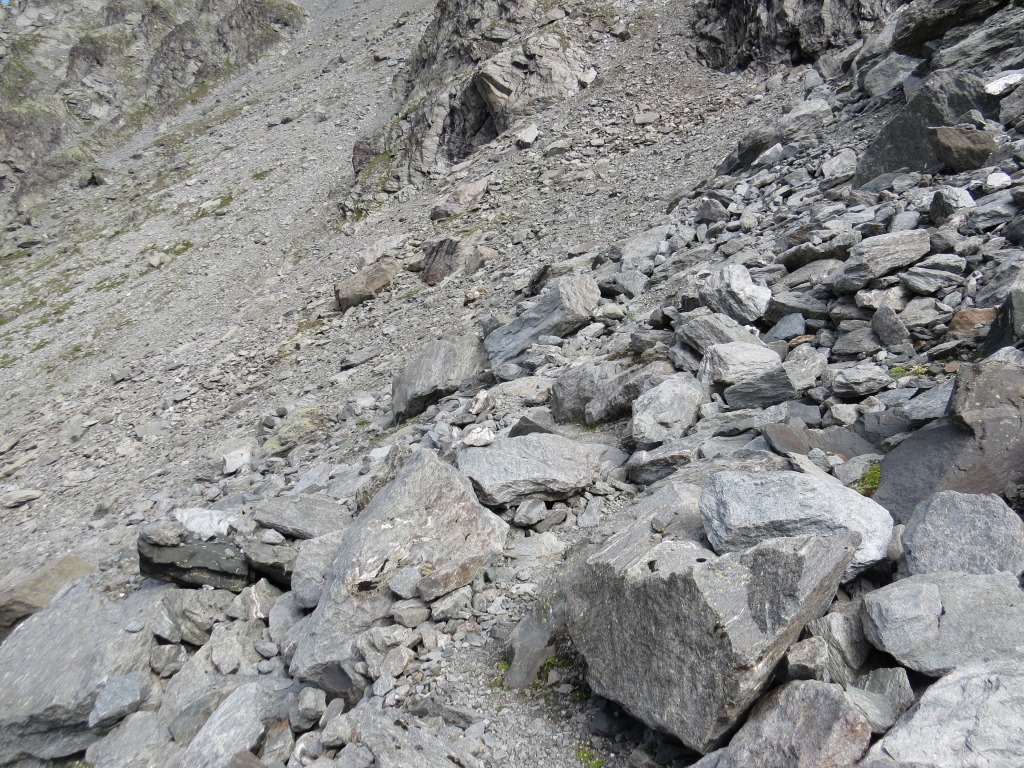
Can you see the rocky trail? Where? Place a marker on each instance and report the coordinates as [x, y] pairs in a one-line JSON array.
[[498, 383]]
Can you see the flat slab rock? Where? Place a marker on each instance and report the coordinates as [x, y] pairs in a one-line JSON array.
[[548, 467], [973, 716], [741, 509], [57, 662], [935, 622], [302, 517], [426, 519], [436, 371], [685, 640]]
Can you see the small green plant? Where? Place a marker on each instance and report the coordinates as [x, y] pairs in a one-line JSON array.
[[898, 371], [587, 757], [260, 175], [179, 248], [919, 370], [869, 481], [212, 210]]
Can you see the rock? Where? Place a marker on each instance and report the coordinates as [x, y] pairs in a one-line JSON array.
[[802, 723], [667, 410], [527, 137], [991, 211], [685, 641], [924, 22], [704, 331], [929, 405], [935, 622], [189, 615], [960, 149], [548, 467], [122, 695], [947, 201], [736, 362], [1011, 108], [963, 532], [769, 388], [218, 563], [596, 392], [1008, 326], [21, 597], [436, 371], [311, 567], [386, 538], [889, 328], [889, 74], [451, 255], [741, 509], [564, 308], [255, 602], [136, 742], [731, 291], [858, 381], [972, 716], [366, 283], [880, 255], [302, 517], [57, 662]]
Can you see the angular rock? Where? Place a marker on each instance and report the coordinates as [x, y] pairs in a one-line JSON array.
[[20, 598], [963, 532], [55, 665], [668, 410], [858, 381], [548, 467], [366, 283], [731, 291], [972, 716], [706, 330], [803, 723], [932, 623], [302, 517], [686, 641], [774, 386], [564, 308], [436, 371], [736, 362], [593, 393], [960, 149], [426, 495], [880, 255], [313, 564], [122, 695], [742, 509]]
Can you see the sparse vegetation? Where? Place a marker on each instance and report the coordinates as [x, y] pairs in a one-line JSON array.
[[587, 757], [869, 481]]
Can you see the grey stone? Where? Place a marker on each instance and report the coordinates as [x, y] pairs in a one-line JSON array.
[[21, 596], [731, 291], [847, 649], [858, 380], [972, 716], [889, 74], [254, 602], [963, 532], [218, 563], [788, 327], [875, 707], [705, 330], [365, 284], [530, 512], [805, 365], [877, 256], [302, 517], [307, 709], [893, 683], [454, 605], [312, 566], [411, 612], [435, 371], [122, 695], [565, 307], [137, 742], [805, 119], [57, 662], [803, 723], [713, 629], [771, 387], [546, 467], [736, 362], [668, 410], [991, 211], [387, 537], [947, 201], [741, 509], [189, 615], [888, 326], [597, 392], [961, 149], [935, 622]]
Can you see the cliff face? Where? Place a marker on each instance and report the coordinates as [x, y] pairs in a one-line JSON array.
[[73, 75]]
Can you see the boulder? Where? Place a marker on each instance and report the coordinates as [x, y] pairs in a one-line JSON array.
[[57, 663], [741, 509], [365, 284], [704, 331], [963, 532], [595, 392], [387, 537], [20, 597], [960, 149], [934, 622], [803, 723], [920, 23], [547, 467], [312, 566], [858, 381], [667, 410], [972, 716], [877, 256], [771, 387], [731, 291], [686, 641], [565, 307], [302, 517], [736, 362], [435, 371]]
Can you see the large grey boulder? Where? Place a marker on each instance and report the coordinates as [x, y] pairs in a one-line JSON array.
[[686, 641], [736, 362], [935, 622], [919, 23], [391, 535], [741, 509], [312, 566], [668, 410], [22, 595], [538, 466], [302, 517], [597, 392], [903, 142], [964, 532], [705, 330], [880, 255], [353, 290], [973, 716], [803, 723], [731, 291], [55, 665], [564, 308], [435, 371]]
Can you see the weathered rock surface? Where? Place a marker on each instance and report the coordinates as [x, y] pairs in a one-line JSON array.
[[742, 509], [686, 640], [547, 467], [365, 284], [22, 597], [667, 410], [434, 372], [302, 517]]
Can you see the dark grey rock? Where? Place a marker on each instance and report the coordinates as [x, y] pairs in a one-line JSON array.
[[802, 723], [1008, 328], [961, 149], [597, 392], [889, 328], [736, 362], [218, 563], [302, 517], [935, 622], [771, 387], [880, 255], [788, 327], [435, 371], [533, 640], [546, 467], [963, 532], [889, 74], [668, 410], [313, 564], [991, 211], [705, 330], [122, 695], [740, 509], [685, 641]]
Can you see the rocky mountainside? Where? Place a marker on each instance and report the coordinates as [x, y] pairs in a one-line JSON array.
[[508, 383]]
